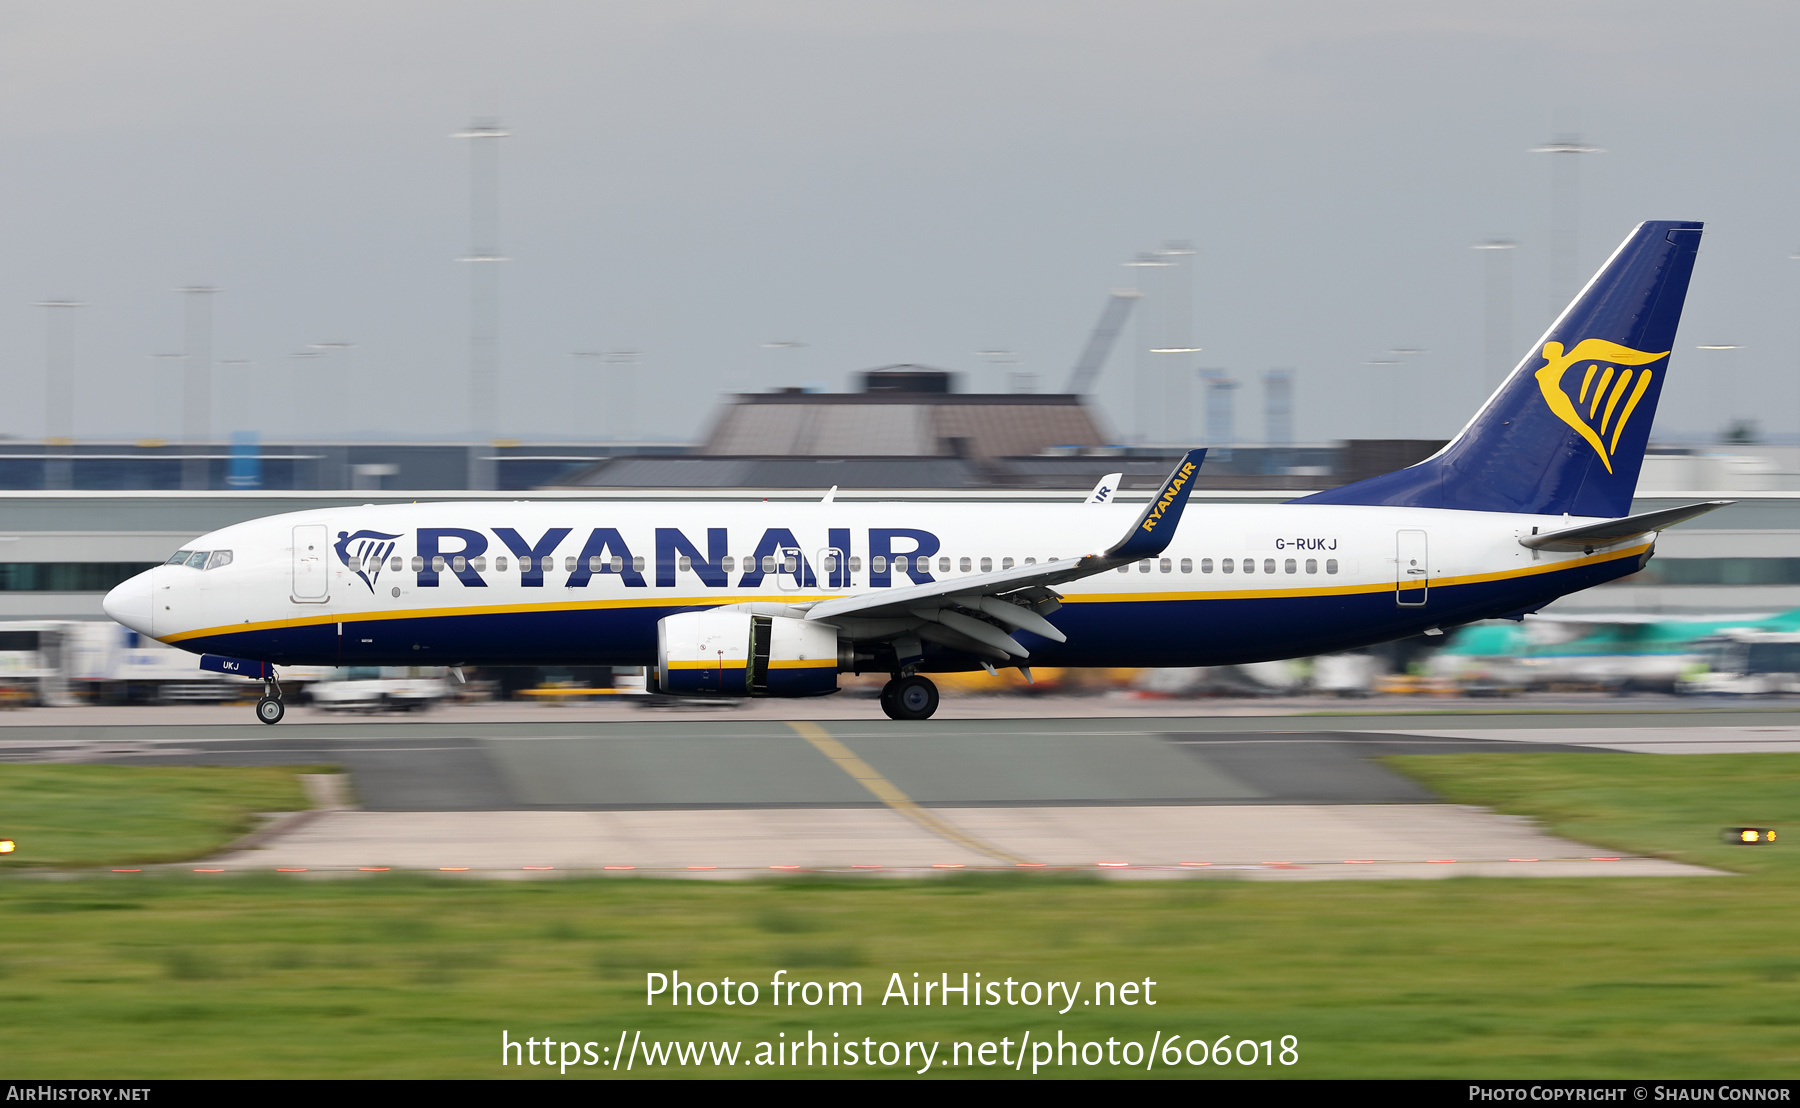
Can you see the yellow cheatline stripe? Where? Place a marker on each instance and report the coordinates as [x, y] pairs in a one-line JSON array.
[[1082, 598], [802, 663], [888, 794], [714, 664]]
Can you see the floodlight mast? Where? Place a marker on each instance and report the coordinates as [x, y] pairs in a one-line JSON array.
[[59, 390], [1565, 215], [1499, 279], [484, 292]]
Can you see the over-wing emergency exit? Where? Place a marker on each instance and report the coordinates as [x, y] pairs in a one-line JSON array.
[[1531, 501]]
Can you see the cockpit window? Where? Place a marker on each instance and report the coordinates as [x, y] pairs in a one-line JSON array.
[[197, 560], [219, 558], [180, 558]]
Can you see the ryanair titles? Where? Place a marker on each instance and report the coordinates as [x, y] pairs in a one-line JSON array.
[[465, 554], [1169, 493]]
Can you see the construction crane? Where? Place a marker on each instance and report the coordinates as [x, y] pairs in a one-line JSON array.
[[1100, 343]]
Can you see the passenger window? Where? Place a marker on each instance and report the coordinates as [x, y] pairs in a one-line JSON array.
[[685, 564], [964, 566], [1226, 565], [900, 564], [1206, 565], [197, 560], [499, 563], [856, 563], [637, 564], [418, 564], [397, 564], [437, 563], [618, 563], [1312, 565], [1144, 566], [1031, 561], [1290, 566], [768, 563], [728, 564], [1125, 569], [596, 564], [1187, 565], [987, 565], [219, 558], [180, 557], [1331, 565], [1006, 563], [459, 563], [943, 565], [1164, 565], [1268, 565], [789, 564], [878, 564]]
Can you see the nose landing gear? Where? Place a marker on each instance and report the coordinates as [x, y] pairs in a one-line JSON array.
[[911, 697], [270, 708]]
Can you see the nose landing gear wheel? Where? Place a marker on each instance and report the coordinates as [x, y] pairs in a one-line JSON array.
[[270, 710], [909, 698]]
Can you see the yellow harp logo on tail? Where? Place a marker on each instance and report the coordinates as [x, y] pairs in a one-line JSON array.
[[1608, 394]]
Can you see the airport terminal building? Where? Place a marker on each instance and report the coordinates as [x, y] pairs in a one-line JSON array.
[[74, 521]]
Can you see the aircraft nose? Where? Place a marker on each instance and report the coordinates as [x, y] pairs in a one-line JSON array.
[[131, 603]]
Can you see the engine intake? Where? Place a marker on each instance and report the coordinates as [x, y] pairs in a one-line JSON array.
[[730, 653]]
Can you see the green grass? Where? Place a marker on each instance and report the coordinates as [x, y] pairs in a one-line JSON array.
[[1672, 806], [81, 815], [402, 976]]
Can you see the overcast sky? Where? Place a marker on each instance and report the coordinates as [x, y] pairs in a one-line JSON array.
[[902, 182]]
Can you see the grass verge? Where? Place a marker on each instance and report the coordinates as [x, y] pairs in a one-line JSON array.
[[84, 815], [402, 976]]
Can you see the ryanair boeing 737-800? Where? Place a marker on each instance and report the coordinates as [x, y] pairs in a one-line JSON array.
[[1528, 503]]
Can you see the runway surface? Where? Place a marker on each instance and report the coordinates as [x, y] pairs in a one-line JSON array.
[[714, 795]]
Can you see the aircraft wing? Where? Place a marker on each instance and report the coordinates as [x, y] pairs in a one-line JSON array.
[[980, 595], [1587, 536]]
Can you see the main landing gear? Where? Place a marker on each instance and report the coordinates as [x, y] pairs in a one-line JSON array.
[[270, 708], [911, 697]]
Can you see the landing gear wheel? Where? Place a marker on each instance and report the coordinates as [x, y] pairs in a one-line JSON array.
[[270, 710], [887, 699], [913, 698]]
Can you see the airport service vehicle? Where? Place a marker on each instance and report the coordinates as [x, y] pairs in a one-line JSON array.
[[1611, 651], [1745, 662], [1529, 502], [379, 689]]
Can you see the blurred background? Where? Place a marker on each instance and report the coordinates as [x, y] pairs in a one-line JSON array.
[[259, 260]]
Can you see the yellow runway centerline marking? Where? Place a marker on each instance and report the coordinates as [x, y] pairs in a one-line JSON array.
[[888, 793]]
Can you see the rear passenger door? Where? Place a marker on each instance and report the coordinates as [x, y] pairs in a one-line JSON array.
[[1412, 569]]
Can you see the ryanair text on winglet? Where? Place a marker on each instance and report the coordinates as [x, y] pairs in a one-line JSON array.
[[1168, 496]]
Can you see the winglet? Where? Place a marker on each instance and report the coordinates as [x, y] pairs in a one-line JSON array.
[[1103, 492], [1150, 535]]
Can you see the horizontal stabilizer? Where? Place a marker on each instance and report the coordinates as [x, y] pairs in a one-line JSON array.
[[1590, 535]]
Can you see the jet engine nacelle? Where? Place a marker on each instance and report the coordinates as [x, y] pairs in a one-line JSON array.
[[732, 653]]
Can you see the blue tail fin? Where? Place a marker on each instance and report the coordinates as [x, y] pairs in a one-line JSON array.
[[1566, 431]]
